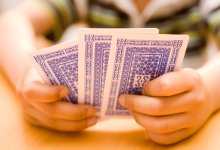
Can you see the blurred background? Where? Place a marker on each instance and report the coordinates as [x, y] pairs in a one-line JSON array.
[[192, 60], [6, 4]]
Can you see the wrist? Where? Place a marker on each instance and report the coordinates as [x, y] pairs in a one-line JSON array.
[[21, 79], [210, 85]]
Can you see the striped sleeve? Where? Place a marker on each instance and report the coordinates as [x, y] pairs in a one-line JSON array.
[[213, 21], [211, 12], [64, 13]]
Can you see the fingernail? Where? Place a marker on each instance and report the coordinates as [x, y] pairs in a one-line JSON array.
[[91, 121], [91, 112], [64, 92], [121, 100]]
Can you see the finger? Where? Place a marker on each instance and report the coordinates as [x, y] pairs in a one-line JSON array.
[[157, 106], [65, 110], [43, 120], [30, 119], [41, 92], [172, 83], [163, 124], [170, 138], [29, 112]]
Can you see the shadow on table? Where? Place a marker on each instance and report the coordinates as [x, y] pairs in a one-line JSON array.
[[89, 139]]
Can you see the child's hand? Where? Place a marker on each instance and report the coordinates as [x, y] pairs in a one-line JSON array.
[[174, 106], [42, 106]]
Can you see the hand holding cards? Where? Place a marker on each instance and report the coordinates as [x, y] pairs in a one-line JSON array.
[[104, 63]]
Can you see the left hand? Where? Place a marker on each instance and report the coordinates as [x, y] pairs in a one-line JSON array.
[[42, 105], [172, 107]]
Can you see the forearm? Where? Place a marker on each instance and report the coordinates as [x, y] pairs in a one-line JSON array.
[[16, 42], [19, 29], [211, 76]]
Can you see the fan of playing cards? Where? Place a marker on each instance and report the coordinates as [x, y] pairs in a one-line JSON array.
[[102, 64]]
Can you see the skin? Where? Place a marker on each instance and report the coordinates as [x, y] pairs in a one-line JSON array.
[[21, 32], [166, 108], [172, 111]]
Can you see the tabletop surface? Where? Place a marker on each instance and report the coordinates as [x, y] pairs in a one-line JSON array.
[[17, 134]]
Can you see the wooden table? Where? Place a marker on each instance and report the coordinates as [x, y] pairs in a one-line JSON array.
[[123, 134]]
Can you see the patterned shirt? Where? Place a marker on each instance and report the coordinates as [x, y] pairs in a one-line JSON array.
[[192, 17]]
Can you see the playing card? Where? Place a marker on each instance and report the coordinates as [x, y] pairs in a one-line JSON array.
[[94, 51], [135, 60], [58, 65]]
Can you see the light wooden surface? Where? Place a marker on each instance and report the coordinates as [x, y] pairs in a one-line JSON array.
[[16, 134]]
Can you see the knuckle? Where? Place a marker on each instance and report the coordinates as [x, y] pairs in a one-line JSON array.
[[157, 108], [161, 128], [130, 103], [51, 123], [200, 99], [30, 118], [25, 92], [164, 84], [49, 109]]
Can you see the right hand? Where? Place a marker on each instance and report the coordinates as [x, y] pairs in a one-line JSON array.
[[42, 105]]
